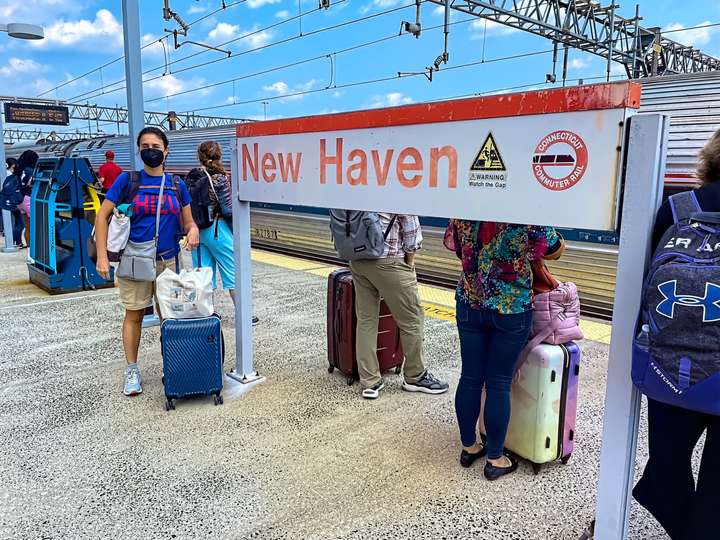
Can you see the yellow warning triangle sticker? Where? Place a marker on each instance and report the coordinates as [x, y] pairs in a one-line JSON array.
[[488, 158]]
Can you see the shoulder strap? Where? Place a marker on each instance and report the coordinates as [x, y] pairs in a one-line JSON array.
[[131, 188], [159, 209], [683, 206], [389, 227]]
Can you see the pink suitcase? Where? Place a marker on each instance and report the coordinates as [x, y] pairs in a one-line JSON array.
[[544, 405]]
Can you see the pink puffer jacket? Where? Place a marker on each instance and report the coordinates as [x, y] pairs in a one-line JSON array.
[[556, 315]]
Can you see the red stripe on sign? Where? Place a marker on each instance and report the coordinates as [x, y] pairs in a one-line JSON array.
[[680, 175], [577, 98]]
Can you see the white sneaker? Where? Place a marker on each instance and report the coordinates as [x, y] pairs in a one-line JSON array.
[[374, 391], [133, 382]]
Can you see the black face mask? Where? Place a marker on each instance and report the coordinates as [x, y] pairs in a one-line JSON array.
[[152, 157]]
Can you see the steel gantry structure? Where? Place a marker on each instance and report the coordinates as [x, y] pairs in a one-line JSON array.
[[110, 115], [593, 28]]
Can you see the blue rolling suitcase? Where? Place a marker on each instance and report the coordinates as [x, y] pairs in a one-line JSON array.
[[193, 351]]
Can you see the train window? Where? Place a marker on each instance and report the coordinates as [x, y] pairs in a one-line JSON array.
[[102, 143], [91, 144]]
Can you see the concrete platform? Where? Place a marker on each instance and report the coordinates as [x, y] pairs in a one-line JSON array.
[[299, 456]]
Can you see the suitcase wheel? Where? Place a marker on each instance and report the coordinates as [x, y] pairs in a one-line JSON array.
[[219, 400], [398, 370], [536, 468], [350, 381], [564, 460], [169, 405], [331, 369]]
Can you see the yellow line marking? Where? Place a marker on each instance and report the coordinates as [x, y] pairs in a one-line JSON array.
[[437, 302]]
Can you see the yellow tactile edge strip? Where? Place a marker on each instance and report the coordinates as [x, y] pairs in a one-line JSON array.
[[438, 303]]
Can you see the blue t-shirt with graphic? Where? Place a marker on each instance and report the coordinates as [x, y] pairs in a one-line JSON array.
[[142, 222]]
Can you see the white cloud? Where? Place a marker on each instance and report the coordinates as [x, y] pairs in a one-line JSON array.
[[170, 84], [493, 28], [22, 67], [696, 37], [104, 33], [393, 99], [337, 94], [38, 11], [224, 32], [253, 4], [579, 63], [196, 9], [284, 14], [381, 4], [281, 88]]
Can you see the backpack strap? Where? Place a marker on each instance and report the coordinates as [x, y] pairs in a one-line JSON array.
[[683, 206], [389, 227], [131, 188]]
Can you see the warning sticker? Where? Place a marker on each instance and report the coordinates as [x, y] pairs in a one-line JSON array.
[[560, 160], [488, 168]]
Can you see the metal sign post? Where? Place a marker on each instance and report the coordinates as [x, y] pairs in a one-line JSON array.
[[644, 177], [244, 371]]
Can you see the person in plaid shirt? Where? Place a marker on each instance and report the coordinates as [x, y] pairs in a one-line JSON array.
[[393, 278]]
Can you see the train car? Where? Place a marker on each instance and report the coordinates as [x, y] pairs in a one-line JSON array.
[[691, 101]]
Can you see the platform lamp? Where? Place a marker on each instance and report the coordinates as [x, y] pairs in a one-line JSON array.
[[17, 31]]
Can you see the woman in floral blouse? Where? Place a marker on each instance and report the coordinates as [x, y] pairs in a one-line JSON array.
[[494, 319]]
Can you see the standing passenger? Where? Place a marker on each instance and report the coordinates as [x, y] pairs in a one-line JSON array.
[[216, 237], [109, 171], [175, 220], [393, 278], [667, 488], [24, 169], [494, 319]]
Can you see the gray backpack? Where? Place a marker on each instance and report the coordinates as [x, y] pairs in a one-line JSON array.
[[358, 235]]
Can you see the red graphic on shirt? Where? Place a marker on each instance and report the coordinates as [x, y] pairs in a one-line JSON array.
[[560, 160], [147, 205]]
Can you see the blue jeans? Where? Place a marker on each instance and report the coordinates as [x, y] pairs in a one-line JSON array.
[[490, 344]]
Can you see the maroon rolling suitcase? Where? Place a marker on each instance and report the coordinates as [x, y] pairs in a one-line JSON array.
[[341, 325]]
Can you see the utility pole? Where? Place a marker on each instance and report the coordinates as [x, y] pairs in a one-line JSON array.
[[133, 74], [133, 82]]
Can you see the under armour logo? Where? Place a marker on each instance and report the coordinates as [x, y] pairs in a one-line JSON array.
[[710, 303]]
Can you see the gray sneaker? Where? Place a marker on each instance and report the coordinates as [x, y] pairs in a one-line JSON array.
[[427, 384], [133, 382]]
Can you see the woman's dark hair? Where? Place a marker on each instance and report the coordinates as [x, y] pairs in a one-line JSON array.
[[709, 161], [10, 163], [27, 159], [151, 130], [210, 155]]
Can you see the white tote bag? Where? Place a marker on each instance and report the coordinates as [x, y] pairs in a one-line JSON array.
[[187, 295]]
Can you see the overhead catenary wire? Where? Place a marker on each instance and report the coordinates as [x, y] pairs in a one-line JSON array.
[[150, 44], [296, 63], [370, 81], [90, 95]]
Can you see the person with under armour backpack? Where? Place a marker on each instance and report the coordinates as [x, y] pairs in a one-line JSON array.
[[381, 249], [676, 358], [159, 209]]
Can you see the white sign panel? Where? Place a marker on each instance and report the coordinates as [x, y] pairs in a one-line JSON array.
[[552, 169]]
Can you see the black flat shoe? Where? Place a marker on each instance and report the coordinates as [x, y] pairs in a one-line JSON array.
[[467, 459], [493, 473]]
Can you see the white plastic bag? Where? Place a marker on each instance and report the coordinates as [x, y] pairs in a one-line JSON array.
[[187, 295]]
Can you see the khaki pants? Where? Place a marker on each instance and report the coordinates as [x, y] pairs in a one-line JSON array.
[[395, 281], [137, 295]]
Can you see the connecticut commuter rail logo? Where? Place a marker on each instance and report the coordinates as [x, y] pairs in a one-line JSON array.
[[560, 160], [488, 168], [710, 303]]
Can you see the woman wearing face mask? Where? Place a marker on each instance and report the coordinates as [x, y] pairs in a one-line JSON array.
[[175, 220]]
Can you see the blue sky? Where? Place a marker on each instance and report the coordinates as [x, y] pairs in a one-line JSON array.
[[83, 34]]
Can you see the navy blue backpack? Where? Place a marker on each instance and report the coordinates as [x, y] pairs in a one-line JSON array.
[[676, 354]]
